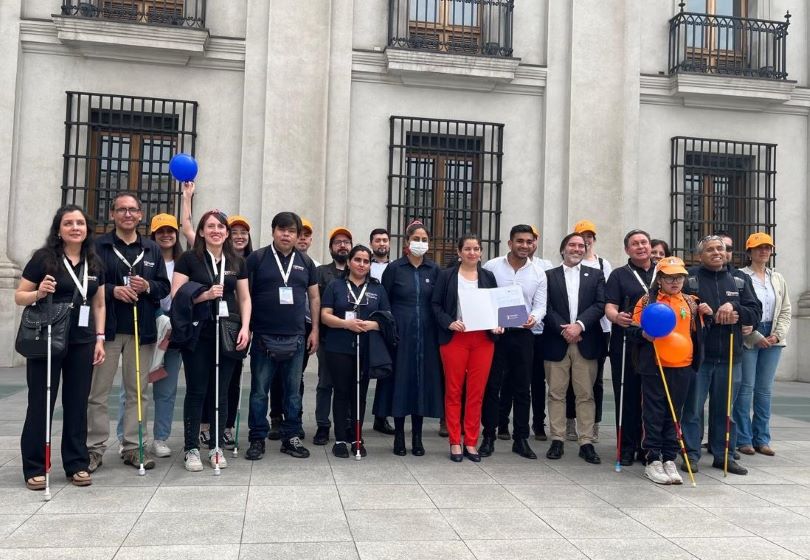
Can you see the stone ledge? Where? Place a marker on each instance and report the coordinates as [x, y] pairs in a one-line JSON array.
[[405, 62]]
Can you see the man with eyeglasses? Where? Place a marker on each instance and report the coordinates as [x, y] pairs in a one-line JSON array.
[[136, 276], [736, 310], [340, 244]]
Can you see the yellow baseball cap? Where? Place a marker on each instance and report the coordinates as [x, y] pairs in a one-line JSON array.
[[757, 239], [585, 225], [306, 224], [337, 230], [237, 220], [163, 220], [671, 266]]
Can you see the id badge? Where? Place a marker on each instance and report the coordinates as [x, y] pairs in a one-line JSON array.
[[84, 316], [351, 315], [223, 308], [285, 295], [126, 280]]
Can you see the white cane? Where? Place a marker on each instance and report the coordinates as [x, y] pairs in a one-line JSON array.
[[357, 456], [217, 471], [48, 360]]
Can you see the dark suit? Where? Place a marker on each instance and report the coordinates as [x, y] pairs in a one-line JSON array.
[[577, 361], [445, 298]]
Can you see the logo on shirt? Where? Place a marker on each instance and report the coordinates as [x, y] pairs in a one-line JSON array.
[[732, 294], [298, 267], [230, 273], [150, 264], [92, 278]]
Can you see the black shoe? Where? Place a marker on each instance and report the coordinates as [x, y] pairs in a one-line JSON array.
[[487, 446], [556, 450], [275, 428], [521, 447], [443, 428], [503, 433], [294, 448], [255, 451], [627, 460], [321, 435], [474, 457], [588, 453], [456, 457], [363, 451], [733, 467], [340, 450], [302, 434], [416, 445], [381, 425], [540, 434], [692, 463], [399, 444]]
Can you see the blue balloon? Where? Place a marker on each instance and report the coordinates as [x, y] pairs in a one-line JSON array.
[[658, 320], [183, 167]]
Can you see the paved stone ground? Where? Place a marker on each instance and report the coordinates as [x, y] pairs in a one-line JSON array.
[[411, 507]]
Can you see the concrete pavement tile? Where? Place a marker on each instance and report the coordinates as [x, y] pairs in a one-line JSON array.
[[11, 428], [623, 549], [100, 553], [465, 496], [593, 523], [115, 473], [542, 496], [511, 524], [465, 473], [8, 455], [803, 510], [717, 495], [534, 549], [738, 548], [98, 499], [237, 475], [646, 494], [400, 525], [203, 528], [69, 530], [311, 551], [8, 522], [355, 472], [797, 545], [693, 522], [293, 498], [527, 473], [295, 526], [599, 475], [414, 550], [754, 476], [190, 499], [10, 442], [797, 475], [283, 475], [24, 501], [781, 495], [178, 552], [766, 522], [384, 496]]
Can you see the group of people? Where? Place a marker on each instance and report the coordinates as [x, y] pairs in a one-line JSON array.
[[401, 323]]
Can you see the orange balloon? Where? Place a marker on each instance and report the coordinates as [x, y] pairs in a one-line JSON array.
[[674, 347]]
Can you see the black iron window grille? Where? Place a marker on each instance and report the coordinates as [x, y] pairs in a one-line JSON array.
[[721, 185], [446, 174], [181, 13], [121, 143], [719, 44], [471, 27]]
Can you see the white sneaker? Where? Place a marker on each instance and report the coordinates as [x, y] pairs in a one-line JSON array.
[[571, 429], [595, 433], [192, 461], [216, 455], [672, 472], [160, 449], [655, 472]]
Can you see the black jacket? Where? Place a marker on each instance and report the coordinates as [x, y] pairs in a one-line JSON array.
[[717, 288], [151, 268], [445, 298], [590, 308], [380, 364], [187, 318]]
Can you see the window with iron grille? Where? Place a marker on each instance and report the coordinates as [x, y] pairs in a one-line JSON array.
[[121, 143], [180, 13], [447, 174], [721, 185]]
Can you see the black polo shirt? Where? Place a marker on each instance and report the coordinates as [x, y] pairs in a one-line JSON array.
[[269, 315], [336, 297], [201, 271], [623, 290]]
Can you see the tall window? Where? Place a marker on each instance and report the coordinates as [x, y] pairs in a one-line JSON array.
[[115, 143], [721, 185], [447, 174], [188, 13]]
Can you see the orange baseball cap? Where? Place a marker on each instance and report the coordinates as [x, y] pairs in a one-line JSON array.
[[757, 239], [585, 225], [535, 231], [163, 220], [337, 230], [671, 266], [238, 220], [306, 224]]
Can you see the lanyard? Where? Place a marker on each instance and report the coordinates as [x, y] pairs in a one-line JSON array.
[[357, 299], [214, 267], [125, 261], [640, 281], [285, 275], [82, 287]]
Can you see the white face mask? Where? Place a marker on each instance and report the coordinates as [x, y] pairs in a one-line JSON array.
[[418, 248]]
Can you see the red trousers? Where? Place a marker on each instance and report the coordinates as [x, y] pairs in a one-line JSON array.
[[467, 359]]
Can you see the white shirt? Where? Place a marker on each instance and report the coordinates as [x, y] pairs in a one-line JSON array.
[[572, 287], [532, 282], [166, 303], [765, 294], [606, 270], [542, 264], [377, 269], [463, 285]]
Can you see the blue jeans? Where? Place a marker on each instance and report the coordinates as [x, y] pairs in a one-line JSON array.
[[262, 370], [758, 372], [711, 382], [164, 393]]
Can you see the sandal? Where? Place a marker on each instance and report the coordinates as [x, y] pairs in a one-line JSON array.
[[36, 483], [81, 478]]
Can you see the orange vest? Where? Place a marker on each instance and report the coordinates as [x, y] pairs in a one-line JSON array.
[[683, 323]]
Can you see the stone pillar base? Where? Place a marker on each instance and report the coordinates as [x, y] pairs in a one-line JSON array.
[[801, 322], [9, 314]]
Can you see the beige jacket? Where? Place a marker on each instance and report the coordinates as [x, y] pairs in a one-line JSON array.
[[781, 313]]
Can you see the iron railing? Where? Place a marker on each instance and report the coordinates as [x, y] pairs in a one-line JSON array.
[[470, 27], [122, 143], [734, 46], [446, 174], [180, 13], [721, 185]]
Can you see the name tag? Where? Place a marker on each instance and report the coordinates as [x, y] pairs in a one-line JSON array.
[[285, 295], [223, 308], [126, 280], [351, 315], [84, 316]]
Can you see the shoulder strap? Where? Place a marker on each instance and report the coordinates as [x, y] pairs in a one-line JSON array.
[[693, 283], [740, 283], [602, 264]]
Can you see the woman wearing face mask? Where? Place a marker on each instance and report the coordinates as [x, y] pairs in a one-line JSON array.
[[416, 387]]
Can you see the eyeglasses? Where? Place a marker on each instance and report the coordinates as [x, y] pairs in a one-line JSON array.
[[672, 279], [346, 242], [729, 248], [125, 211]]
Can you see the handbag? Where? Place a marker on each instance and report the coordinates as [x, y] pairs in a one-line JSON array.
[[280, 347], [32, 336], [229, 328]]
